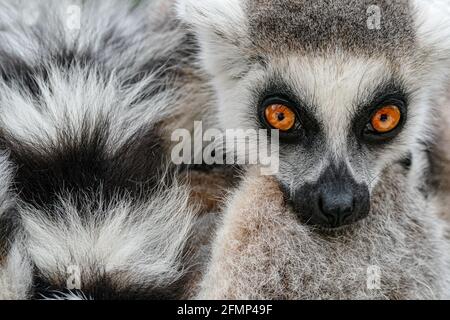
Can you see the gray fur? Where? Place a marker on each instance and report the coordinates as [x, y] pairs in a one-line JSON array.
[[323, 56], [262, 252], [318, 26]]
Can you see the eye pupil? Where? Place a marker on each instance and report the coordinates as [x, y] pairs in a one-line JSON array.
[[384, 117], [281, 116]]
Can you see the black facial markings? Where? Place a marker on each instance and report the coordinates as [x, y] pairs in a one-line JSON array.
[[390, 92], [307, 129]]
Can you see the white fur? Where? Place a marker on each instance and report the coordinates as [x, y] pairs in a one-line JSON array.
[[210, 15], [79, 98], [142, 240], [15, 267], [433, 24], [221, 28], [16, 274], [6, 174], [71, 96]]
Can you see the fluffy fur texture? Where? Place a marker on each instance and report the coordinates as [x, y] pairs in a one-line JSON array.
[[82, 102], [16, 273], [85, 108], [7, 224], [439, 154], [15, 267], [334, 87], [262, 252], [326, 61], [124, 249]]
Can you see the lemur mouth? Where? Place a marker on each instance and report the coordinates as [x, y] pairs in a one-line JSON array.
[[323, 226], [334, 231]]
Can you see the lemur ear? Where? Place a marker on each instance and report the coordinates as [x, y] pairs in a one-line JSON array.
[[221, 28], [210, 15], [433, 25]]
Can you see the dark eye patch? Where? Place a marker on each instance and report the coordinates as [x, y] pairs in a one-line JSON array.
[[307, 127], [390, 93]]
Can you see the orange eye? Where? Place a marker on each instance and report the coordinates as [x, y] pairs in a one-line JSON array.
[[386, 119], [280, 117]]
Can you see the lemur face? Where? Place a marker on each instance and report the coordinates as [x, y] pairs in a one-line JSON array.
[[341, 83], [348, 120]]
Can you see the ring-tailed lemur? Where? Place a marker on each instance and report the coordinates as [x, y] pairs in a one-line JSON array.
[[353, 86], [82, 111]]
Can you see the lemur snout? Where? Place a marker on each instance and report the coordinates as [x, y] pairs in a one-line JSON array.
[[337, 207], [335, 200]]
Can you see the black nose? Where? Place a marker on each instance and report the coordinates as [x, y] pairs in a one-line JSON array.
[[335, 200], [337, 207]]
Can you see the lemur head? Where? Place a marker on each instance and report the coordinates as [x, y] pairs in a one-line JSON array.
[[350, 84]]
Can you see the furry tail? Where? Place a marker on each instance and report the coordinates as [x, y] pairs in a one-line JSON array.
[[80, 248], [81, 118], [121, 249], [15, 267]]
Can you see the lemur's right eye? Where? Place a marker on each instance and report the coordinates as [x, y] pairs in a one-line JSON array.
[[280, 117]]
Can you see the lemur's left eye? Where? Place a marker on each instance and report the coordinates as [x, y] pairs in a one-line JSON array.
[[386, 119], [280, 117]]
